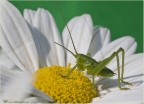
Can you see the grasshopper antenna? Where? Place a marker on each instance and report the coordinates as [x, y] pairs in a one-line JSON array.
[[66, 49], [67, 26]]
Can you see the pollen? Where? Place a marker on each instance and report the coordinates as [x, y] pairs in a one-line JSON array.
[[75, 89]]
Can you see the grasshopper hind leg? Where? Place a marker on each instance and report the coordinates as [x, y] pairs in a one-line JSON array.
[[121, 78], [98, 68], [126, 82]]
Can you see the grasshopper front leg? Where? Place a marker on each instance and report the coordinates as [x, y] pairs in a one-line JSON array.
[[72, 69]]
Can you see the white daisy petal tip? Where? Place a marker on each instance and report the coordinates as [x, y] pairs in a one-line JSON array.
[[101, 37], [105, 32], [129, 37], [128, 43], [87, 16], [88, 20], [29, 15]]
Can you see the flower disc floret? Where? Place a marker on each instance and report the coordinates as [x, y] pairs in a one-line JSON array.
[[75, 89]]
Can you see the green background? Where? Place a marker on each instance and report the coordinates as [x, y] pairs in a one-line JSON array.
[[121, 17]]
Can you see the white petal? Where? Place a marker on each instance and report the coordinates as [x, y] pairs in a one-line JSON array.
[[133, 96], [18, 88], [133, 73], [65, 33], [29, 15], [6, 75], [38, 93], [101, 38], [35, 100], [16, 38], [6, 61], [81, 29], [50, 52], [7, 72], [127, 43]]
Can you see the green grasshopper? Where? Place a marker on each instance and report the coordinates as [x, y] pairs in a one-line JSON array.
[[95, 68]]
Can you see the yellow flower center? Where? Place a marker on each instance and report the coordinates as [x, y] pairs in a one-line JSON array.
[[75, 89]]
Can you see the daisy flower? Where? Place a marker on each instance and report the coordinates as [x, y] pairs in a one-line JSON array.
[[32, 65]]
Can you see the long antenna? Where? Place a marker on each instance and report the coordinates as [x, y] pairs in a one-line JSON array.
[[67, 26], [66, 49]]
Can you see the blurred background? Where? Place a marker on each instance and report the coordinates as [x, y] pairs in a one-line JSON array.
[[121, 17]]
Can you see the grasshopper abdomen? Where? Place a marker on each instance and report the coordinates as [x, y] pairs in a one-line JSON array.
[[89, 64]]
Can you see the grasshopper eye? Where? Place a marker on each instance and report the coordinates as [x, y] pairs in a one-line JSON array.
[[87, 63]]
